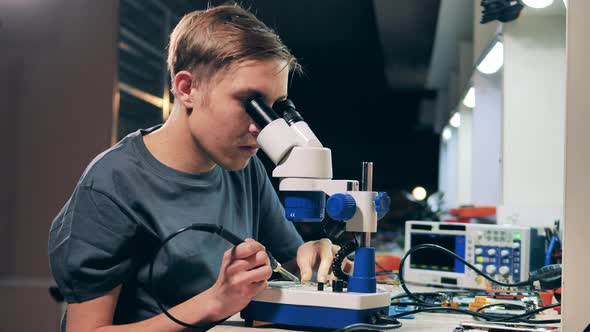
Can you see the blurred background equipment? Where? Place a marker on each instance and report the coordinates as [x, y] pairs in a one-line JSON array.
[[419, 193], [507, 253], [473, 214]]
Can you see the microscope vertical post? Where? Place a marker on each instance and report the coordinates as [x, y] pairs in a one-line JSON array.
[[363, 279], [367, 185]]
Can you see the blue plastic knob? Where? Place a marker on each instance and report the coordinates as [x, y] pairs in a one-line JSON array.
[[341, 206], [382, 204]]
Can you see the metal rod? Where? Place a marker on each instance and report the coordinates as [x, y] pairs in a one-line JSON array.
[[367, 239], [367, 179], [361, 238], [364, 239], [367, 185]]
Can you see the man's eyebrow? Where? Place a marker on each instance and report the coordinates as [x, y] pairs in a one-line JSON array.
[[249, 92]]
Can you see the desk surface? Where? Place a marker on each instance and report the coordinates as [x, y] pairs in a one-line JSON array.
[[424, 322]]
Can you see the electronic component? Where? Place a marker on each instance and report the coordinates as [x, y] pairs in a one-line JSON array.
[[320, 286], [501, 251]]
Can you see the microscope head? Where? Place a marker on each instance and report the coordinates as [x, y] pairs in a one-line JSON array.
[[288, 141], [305, 169]]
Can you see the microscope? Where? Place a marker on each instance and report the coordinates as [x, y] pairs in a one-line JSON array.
[[304, 168]]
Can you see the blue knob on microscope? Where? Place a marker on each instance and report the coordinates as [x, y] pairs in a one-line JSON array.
[[382, 204], [341, 206]]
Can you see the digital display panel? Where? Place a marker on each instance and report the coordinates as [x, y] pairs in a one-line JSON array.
[[432, 259]]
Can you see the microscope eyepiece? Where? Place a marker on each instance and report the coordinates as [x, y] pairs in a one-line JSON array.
[[288, 110], [261, 113]]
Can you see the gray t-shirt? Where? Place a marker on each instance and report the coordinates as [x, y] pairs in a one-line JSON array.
[[126, 202]]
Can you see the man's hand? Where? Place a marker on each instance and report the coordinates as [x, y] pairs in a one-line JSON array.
[[243, 274], [307, 259]]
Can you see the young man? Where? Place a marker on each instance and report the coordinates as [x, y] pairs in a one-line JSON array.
[[199, 167]]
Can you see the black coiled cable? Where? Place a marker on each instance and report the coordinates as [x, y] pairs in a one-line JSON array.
[[344, 251], [209, 228]]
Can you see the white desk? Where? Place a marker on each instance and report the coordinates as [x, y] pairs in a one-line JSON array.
[[423, 322]]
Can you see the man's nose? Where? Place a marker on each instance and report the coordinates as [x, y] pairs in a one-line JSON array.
[[253, 129]]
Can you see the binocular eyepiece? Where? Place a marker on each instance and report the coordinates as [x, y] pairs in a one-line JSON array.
[[262, 114]]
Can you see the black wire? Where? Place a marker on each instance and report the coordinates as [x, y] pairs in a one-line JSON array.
[[344, 251], [369, 327], [386, 319], [404, 304], [382, 268], [488, 317], [401, 296], [443, 309], [210, 228], [355, 239], [540, 321], [506, 305], [442, 294], [529, 313], [520, 318], [448, 252]]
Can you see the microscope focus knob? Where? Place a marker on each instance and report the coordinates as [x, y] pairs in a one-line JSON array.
[[341, 206], [382, 204]]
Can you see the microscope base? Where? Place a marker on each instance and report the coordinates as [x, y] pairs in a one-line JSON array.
[[304, 305]]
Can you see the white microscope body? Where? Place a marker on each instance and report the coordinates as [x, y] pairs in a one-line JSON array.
[[304, 167]]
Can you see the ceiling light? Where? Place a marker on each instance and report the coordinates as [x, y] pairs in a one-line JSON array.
[[447, 134], [419, 193], [469, 99], [455, 120], [537, 3], [494, 60]]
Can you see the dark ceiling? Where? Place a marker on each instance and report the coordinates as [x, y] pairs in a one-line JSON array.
[[366, 64]]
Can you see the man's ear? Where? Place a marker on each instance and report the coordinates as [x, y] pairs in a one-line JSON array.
[[183, 83]]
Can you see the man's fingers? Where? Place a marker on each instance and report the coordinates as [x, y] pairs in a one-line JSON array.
[[260, 286], [259, 274], [305, 262], [249, 263], [335, 249], [332, 277], [255, 288], [326, 257], [237, 266], [258, 259], [306, 274], [347, 266], [324, 269], [246, 249], [306, 257]]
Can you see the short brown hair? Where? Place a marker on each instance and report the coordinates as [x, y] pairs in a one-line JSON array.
[[208, 41]]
